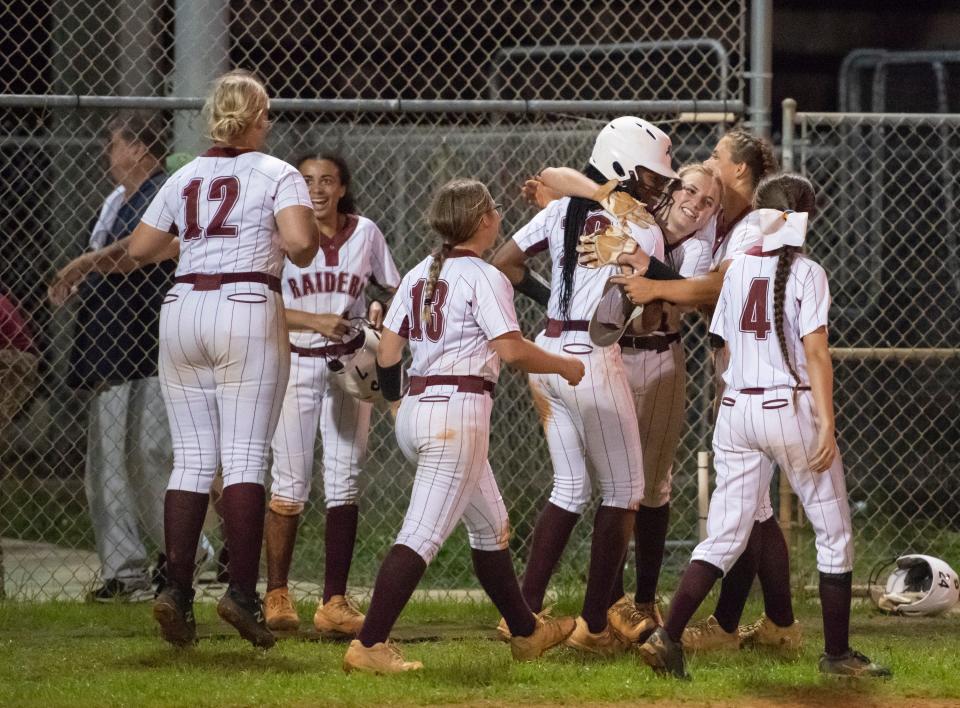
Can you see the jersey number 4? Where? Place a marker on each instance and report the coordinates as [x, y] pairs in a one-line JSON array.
[[225, 190], [436, 322], [754, 317]]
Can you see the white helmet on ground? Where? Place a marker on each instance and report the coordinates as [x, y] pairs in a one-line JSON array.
[[626, 143], [920, 585], [356, 373]]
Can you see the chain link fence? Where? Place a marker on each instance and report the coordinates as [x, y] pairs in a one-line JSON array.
[[886, 234], [55, 182]]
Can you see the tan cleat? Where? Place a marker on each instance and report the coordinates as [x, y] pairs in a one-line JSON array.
[[548, 633], [279, 610], [381, 658], [338, 616], [634, 620], [503, 630], [768, 635], [708, 635], [606, 643]]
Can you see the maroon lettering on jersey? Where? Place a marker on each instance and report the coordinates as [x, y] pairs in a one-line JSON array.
[[342, 282], [295, 291], [355, 286], [308, 288], [595, 223], [329, 282]]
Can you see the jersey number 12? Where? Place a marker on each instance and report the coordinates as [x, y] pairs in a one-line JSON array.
[[225, 190], [754, 317]]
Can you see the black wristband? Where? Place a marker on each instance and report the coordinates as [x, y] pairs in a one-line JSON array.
[[390, 380], [658, 270], [534, 287]]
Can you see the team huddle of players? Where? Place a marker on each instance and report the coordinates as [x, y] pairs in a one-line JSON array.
[[273, 265]]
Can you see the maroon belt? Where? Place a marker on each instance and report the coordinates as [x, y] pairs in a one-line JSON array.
[[761, 391], [213, 281], [464, 384], [651, 342], [556, 327], [340, 349]]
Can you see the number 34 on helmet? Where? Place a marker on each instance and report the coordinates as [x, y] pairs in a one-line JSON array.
[[919, 586], [356, 373]]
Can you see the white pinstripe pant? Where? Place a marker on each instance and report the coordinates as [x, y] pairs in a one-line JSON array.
[[659, 384], [448, 435], [753, 433], [224, 363], [344, 424], [591, 426]]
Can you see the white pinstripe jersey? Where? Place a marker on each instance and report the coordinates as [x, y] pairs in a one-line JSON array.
[[472, 304], [545, 233], [744, 318], [690, 257], [739, 238], [336, 279], [223, 206]]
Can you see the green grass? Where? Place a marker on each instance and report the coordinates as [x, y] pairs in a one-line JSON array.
[[59, 654]]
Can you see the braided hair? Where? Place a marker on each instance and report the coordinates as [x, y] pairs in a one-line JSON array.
[[786, 192], [455, 215], [754, 151], [576, 217]]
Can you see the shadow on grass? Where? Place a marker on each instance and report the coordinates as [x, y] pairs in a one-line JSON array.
[[219, 660], [826, 693]]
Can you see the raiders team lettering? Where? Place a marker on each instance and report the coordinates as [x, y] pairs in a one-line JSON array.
[[325, 282]]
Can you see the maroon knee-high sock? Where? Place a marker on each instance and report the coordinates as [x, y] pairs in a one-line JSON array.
[[495, 572], [696, 582], [773, 569], [650, 538], [550, 537], [341, 535], [836, 590], [616, 590], [183, 514], [397, 578], [735, 588], [243, 508], [611, 534]]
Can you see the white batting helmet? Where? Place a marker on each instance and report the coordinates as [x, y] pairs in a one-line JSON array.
[[356, 373], [920, 585], [627, 143]]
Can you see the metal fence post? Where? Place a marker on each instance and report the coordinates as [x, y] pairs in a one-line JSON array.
[[787, 134]]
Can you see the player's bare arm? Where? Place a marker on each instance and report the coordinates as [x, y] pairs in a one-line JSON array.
[[690, 292], [820, 371], [523, 354], [148, 244], [567, 181], [378, 306], [299, 234], [329, 324]]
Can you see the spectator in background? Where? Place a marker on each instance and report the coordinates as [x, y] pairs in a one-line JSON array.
[[129, 451], [18, 371]]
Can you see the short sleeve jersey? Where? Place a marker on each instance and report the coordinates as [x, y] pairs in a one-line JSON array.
[[741, 236], [690, 257], [744, 318], [471, 305], [223, 207], [545, 233], [335, 281]]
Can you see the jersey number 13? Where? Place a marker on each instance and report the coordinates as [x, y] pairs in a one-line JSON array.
[[434, 325]]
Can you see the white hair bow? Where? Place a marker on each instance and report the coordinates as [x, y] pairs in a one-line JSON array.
[[780, 228]]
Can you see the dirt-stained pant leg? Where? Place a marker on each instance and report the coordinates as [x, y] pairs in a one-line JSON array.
[[447, 434], [591, 426], [659, 384]]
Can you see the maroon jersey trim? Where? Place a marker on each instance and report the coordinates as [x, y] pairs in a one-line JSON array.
[[331, 246], [724, 231], [220, 151], [538, 247], [462, 253], [669, 248]]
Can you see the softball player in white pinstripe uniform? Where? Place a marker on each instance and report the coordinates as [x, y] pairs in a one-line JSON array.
[[592, 431], [457, 313], [224, 354], [317, 298], [777, 407]]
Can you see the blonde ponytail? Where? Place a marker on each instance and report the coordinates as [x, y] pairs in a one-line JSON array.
[[237, 100]]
